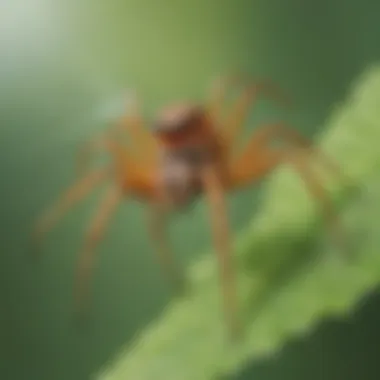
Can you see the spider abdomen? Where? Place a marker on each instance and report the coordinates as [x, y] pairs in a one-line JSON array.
[[181, 174]]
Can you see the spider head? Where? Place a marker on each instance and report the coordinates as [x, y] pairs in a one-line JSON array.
[[180, 124]]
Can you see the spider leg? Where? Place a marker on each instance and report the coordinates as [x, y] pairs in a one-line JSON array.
[[259, 159], [94, 235], [268, 134], [142, 144], [318, 192], [217, 94], [143, 181], [215, 196], [97, 144], [157, 230], [131, 177], [240, 110], [66, 201]]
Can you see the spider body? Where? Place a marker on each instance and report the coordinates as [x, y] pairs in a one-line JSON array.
[[187, 145], [189, 153], [179, 177]]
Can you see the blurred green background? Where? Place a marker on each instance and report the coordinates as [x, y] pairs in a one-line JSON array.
[[64, 66]]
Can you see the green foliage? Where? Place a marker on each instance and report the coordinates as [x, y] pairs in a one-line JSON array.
[[290, 274]]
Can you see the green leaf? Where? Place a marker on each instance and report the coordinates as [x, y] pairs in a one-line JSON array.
[[290, 275]]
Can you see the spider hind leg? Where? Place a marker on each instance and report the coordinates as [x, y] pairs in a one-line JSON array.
[[260, 157]]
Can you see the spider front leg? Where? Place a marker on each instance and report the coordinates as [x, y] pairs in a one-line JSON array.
[[259, 158], [221, 233]]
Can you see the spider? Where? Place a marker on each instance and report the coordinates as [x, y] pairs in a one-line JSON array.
[[189, 152]]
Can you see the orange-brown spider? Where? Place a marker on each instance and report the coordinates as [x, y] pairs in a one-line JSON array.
[[188, 153]]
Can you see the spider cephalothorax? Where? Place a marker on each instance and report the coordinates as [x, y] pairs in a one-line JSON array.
[[183, 152], [190, 152], [179, 118], [182, 124]]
